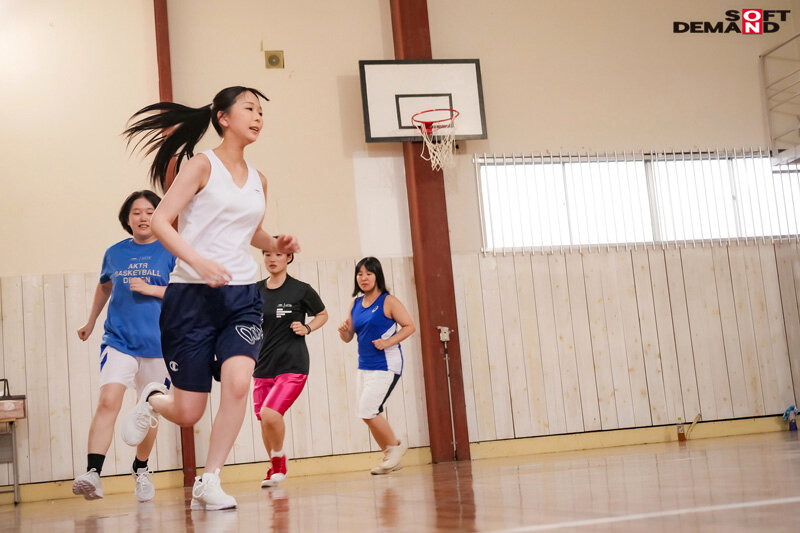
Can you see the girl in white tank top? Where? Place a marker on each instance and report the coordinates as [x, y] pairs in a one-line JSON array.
[[210, 320], [219, 223]]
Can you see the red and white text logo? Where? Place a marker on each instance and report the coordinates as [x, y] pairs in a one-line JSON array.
[[742, 21], [752, 21]]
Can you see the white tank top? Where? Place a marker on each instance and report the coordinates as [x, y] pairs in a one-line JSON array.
[[219, 224]]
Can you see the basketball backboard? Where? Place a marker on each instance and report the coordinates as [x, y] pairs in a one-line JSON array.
[[392, 91]]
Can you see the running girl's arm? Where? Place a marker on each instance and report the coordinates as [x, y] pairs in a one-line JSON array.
[[101, 295], [346, 331], [192, 177], [142, 287], [317, 322], [394, 309], [285, 244]]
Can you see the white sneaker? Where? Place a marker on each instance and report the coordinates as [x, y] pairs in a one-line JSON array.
[[139, 421], [391, 459], [393, 455], [88, 484], [379, 470], [145, 491], [208, 494]]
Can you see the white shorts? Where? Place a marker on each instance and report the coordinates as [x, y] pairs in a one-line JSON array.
[[133, 372], [374, 387]]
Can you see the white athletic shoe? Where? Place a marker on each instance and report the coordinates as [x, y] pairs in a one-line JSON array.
[[391, 459], [88, 484], [145, 491], [208, 494], [393, 455], [139, 421]]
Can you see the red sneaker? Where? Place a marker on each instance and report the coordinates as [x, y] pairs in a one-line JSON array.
[[278, 469], [268, 480]]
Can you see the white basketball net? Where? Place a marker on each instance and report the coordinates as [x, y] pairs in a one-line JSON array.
[[437, 144]]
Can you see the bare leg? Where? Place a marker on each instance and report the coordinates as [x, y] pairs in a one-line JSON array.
[[265, 438], [102, 429], [235, 378], [381, 431], [273, 429], [182, 407], [146, 446]]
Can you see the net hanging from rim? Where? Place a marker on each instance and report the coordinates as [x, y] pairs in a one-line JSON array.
[[438, 130]]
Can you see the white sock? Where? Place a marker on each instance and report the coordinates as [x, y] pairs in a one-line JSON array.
[[279, 453]]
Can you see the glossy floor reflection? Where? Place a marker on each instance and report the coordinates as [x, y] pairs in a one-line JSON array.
[[749, 483]]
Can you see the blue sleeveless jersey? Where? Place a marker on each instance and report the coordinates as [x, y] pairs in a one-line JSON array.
[[371, 324]]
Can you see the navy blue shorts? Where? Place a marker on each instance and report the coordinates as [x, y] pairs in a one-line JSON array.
[[202, 326]]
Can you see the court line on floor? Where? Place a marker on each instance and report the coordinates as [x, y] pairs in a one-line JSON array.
[[644, 516]]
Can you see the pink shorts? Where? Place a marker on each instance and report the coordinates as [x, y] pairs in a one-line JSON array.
[[278, 393]]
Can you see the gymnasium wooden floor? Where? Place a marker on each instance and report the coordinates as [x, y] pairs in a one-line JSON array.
[[748, 483]]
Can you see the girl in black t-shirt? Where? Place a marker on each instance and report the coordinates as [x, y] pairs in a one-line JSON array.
[[282, 368]]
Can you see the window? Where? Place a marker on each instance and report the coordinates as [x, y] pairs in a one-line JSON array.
[[558, 201]]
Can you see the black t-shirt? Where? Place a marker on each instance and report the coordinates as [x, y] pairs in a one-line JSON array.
[[283, 351]]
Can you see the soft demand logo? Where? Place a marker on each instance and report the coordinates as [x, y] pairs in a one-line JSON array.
[[744, 21]]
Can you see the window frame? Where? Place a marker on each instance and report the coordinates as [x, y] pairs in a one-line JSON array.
[[729, 215]]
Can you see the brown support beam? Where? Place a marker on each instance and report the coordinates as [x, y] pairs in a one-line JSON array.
[[165, 95], [433, 269], [162, 51]]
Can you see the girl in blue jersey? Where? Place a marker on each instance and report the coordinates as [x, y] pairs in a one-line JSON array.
[[381, 322], [134, 276], [211, 318]]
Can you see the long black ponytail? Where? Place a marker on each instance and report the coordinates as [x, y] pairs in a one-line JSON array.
[[171, 129]]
